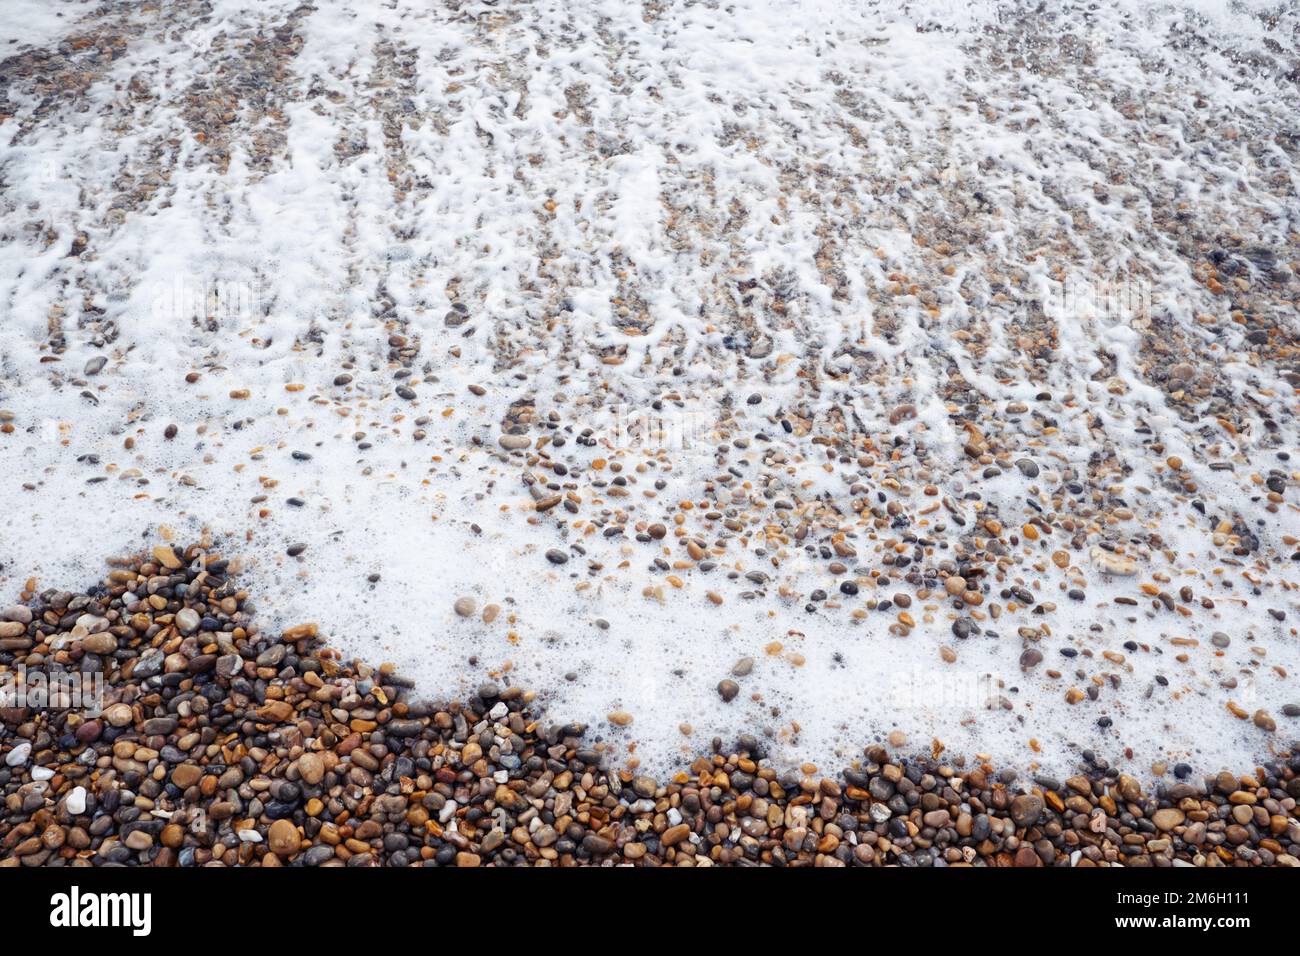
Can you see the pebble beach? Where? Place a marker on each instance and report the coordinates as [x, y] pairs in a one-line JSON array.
[[221, 744], [471, 433]]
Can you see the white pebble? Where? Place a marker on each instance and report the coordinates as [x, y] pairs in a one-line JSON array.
[[447, 812], [18, 756], [42, 773], [76, 802], [92, 623]]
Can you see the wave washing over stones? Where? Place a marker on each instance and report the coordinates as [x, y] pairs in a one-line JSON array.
[[217, 743], [817, 372]]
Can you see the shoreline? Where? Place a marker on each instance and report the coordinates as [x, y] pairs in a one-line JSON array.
[[220, 744]]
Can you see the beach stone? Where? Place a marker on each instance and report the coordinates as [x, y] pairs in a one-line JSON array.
[[275, 711], [165, 556], [75, 804], [1026, 856], [18, 614], [101, 643], [283, 839], [675, 834], [158, 726], [118, 715], [1168, 818], [1111, 563], [1026, 809], [149, 664], [186, 775]]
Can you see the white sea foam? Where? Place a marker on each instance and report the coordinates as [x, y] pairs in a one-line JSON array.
[[595, 180]]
